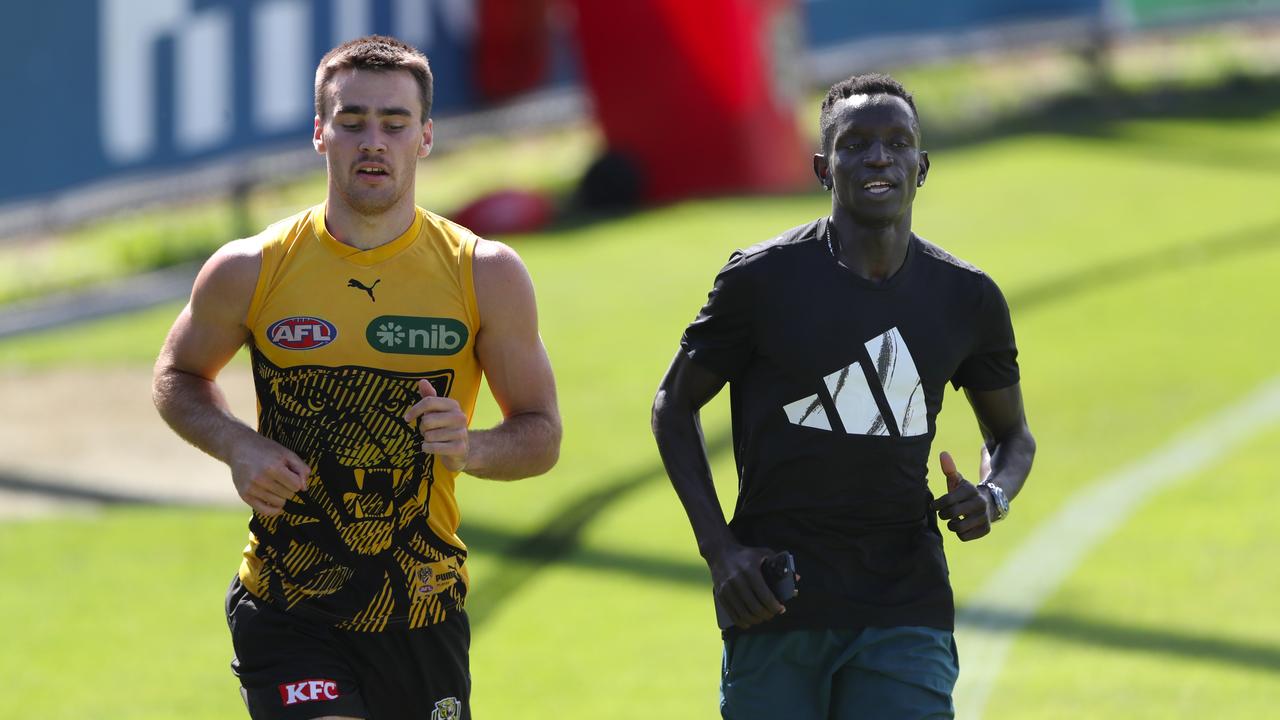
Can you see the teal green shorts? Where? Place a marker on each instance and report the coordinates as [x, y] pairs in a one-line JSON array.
[[903, 673]]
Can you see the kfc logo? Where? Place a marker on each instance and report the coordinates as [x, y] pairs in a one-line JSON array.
[[308, 690]]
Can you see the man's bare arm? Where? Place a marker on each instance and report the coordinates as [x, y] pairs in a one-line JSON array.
[[527, 440], [735, 569], [1003, 423], [203, 339]]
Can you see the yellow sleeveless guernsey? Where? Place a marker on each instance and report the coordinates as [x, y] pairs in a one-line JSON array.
[[340, 338]]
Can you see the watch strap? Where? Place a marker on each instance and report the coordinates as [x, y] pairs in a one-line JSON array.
[[999, 499]]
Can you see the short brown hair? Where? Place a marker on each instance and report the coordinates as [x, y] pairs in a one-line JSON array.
[[374, 52]]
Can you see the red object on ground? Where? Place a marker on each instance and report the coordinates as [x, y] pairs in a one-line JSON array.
[[700, 94], [505, 212]]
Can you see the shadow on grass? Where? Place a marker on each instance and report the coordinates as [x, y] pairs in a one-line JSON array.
[[1167, 642], [1155, 262], [1099, 114], [72, 492], [518, 557], [520, 565], [1080, 630]]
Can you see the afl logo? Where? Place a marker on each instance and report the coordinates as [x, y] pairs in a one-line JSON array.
[[301, 333]]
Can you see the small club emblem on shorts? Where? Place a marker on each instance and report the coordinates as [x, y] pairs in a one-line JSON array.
[[447, 709]]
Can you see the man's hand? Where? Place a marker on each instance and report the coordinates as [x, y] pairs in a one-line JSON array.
[[443, 426], [267, 474], [964, 505], [740, 586]]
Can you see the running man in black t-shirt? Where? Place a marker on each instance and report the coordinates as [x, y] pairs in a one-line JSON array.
[[837, 339]]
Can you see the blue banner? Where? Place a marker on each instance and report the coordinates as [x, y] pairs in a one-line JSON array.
[[117, 86]]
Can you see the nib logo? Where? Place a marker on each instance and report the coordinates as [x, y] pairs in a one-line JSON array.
[[390, 334], [308, 691], [408, 335]]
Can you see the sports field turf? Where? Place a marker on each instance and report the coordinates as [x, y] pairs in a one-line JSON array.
[[1139, 259]]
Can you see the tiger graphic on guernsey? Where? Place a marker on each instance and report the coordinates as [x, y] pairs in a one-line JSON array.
[[357, 544]]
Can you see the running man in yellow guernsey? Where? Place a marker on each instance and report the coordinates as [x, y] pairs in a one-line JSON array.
[[370, 322]]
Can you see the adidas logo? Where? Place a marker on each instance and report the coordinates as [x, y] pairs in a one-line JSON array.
[[859, 404]]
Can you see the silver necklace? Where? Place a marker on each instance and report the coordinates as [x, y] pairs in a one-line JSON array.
[[831, 243]]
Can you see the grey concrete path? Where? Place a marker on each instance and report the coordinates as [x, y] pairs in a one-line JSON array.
[[83, 438]]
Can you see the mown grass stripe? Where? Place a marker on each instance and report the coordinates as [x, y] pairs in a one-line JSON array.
[[989, 621]]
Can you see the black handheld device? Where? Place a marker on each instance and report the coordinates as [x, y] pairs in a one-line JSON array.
[[780, 572]]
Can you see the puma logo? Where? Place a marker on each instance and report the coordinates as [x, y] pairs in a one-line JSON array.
[[354, 283]]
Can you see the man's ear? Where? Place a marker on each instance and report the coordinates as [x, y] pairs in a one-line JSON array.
[[822, 169], [924, 168], [425, 149], [317, 137]]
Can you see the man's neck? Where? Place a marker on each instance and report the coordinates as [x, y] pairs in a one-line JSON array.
[[873, 252], [367, 231]]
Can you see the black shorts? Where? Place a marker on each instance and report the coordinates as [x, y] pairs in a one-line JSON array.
[[296, 669]]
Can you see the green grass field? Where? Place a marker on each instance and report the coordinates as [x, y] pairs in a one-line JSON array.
[[1139, 258]]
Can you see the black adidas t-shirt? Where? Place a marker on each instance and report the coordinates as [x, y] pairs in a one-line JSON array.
[[835, 386]]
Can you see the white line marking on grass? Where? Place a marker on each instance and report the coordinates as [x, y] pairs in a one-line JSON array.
[[991, 618]]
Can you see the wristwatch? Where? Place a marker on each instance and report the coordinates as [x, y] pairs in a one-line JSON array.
[[1000, 500]]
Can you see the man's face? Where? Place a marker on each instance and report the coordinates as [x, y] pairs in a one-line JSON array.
[[372, 137], [874, 161]]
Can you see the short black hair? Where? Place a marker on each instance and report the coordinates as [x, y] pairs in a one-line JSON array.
[[866, 84]]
